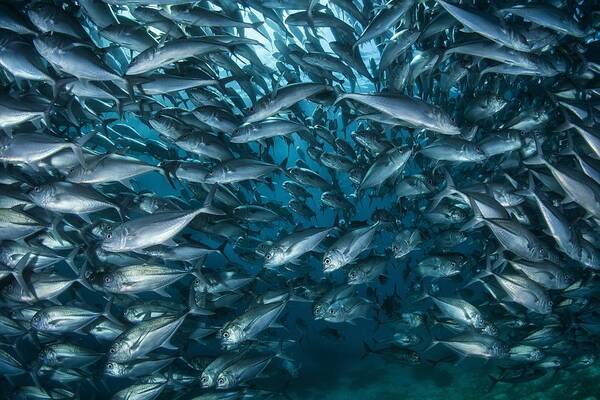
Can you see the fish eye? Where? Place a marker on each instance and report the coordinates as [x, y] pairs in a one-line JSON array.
[[352, 274], [317, 309], [110, 365], [36, 189], [225, 334], [107, 279], [109, 235], [331, 311], [327, 261], [204, 379], [221, 381], [394, 248], [453, 264], [112, 350], [269, 256]]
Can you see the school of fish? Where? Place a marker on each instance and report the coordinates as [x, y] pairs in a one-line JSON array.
[[188, 189]]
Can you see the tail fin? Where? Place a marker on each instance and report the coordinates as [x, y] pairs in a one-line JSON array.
[[169, 168], [283, 164], [475, 221], [530, 191], [19, 277], [78, 154], [450, 189], [538, 159], [193, 307], [489, 270], [366, 350], [493, 383], [208, 207], [70, 260], [106, 313]]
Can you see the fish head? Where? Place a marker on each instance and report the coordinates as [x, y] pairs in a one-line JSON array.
[[538, 252], [406, 339], [231, 335], [398, 156], [39, 321], [131, 314], [475, 153], [216, 175], [4, 145], [489, 329], [498, 350], [356, 276], [244, 133], [207, 380], [141, 62], [115, 240], [78, 174], [115, 369], [258, 111], [445, 123], [544, 305], [101, 229], [109, 282], [119, 351], [587, 359], [402, 246], [456, 214], [225, 380], [42, 195], [414, 319], [274, 257], [319, 310], [333, 260], [47, 356], [535, 354], [335, 313]]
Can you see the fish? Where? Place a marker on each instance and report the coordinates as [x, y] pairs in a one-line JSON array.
[[348, 247], [247, 326]]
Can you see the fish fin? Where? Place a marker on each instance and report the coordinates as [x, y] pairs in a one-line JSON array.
[[127, 183], [366, 350], [207, 206], [168, 345], [70, 260], [20, 278], [85, 217], [162, 292], [82, 275], [450, 189], [107, 313]]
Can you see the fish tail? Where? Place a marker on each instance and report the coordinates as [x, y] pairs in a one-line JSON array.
[[208, 207], [367, 350]]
